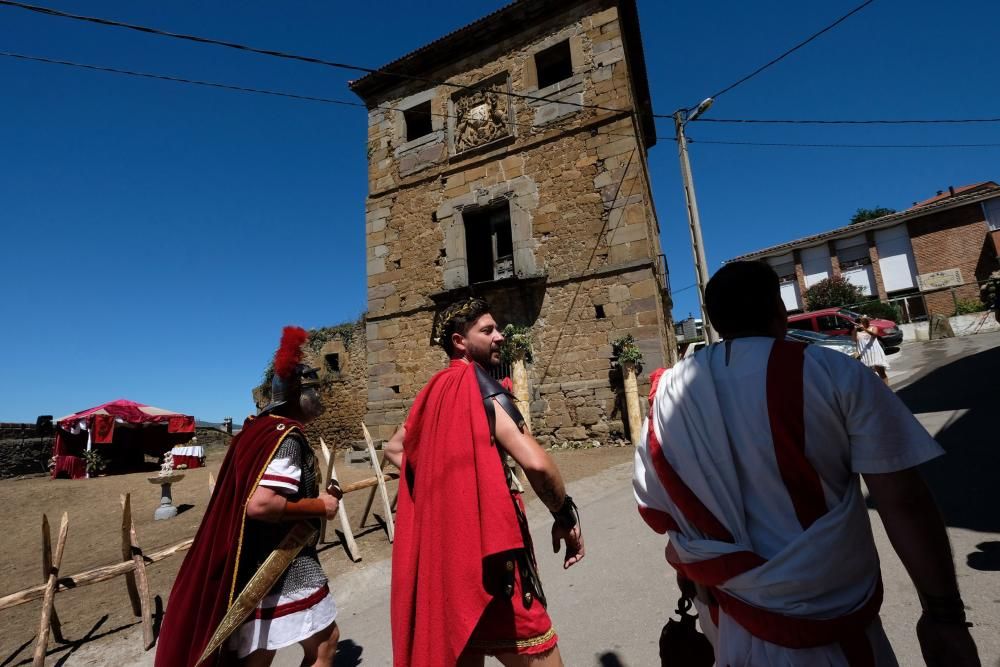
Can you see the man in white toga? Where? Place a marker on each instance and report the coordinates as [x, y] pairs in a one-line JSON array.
[[750, 461]]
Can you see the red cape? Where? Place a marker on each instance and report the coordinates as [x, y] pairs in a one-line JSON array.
[[454, 510], [204, 586]]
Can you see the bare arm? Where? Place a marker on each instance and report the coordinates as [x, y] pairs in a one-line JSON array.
[[542, 473], [268, 505], [394, 448], [544, 477], [917, 533], [916, 530]]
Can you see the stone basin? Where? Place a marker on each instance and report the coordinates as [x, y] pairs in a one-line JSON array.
[[166, 479]]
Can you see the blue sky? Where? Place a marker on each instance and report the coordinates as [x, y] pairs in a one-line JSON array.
[[156, 236]]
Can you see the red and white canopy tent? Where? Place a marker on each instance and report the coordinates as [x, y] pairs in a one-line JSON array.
[[123, 431]]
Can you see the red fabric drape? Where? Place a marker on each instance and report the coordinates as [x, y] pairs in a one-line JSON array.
[[102, 429], [202, 589], [180, 424], [454, 510]]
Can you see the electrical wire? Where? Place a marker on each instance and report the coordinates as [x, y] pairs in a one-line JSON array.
[[557, 125], [796, 145], [787, 53], [48, 11], [906, 121]]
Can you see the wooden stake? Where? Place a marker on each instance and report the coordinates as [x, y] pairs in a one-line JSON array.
[[133, 592], [38, 659], [46, 571], [136, 579], [377, 467], [211, 485], [345, 523]]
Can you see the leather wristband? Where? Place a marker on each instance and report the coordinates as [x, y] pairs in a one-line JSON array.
[[567, 516], [307, 508], [948, 610]]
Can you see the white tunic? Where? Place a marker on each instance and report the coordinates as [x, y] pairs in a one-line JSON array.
[[712, 417], [870, 351]]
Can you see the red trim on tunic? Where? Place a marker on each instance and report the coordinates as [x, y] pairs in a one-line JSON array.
[[658, 520], [280, 479], [685, 499], [267, 613], [786, 413]]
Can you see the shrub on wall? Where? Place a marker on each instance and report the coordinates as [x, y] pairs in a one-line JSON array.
[[966, 306], [832, 292], [879, 310]]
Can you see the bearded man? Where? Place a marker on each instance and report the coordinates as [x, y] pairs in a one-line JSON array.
[[267, 484], [464, 579]]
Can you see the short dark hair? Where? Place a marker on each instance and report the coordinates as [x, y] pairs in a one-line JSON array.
[[458, 318], [741, 296]]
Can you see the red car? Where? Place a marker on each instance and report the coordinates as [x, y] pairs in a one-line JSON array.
[[841, 322]]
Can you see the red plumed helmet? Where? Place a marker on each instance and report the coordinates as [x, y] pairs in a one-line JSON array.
[[289, 354]]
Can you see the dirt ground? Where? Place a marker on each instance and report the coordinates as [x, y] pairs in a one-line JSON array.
[[102, 611]]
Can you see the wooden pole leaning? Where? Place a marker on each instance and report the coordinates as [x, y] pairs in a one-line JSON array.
[[383, 492], [345, 522], [48, 600], [46, 571], [136, 581]]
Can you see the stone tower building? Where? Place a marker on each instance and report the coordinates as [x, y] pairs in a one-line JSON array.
[[507, 159]]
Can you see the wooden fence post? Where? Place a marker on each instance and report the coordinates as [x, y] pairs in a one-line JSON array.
[[46, 571], [136, 581], [345, 522], [377, 467], [38, 659]]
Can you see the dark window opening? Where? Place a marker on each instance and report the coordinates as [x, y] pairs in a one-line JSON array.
[[553, 64], [599, 312], [418, 121], [395, 388], [489, 246], [333, 362]]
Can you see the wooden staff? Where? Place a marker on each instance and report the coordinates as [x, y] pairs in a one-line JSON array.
[[136, 581], [46, 571], [38, 660]]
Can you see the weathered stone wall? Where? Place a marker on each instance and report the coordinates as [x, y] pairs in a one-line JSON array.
[[344, 391], [24, 456], [587, 260]]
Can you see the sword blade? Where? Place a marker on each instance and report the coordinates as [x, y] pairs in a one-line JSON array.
[[260, 583]]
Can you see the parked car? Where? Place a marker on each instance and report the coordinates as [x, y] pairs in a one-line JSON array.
[[841, 321], [844, 344]]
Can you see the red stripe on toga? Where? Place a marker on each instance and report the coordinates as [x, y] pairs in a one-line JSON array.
[[786, 413], [268, 613]]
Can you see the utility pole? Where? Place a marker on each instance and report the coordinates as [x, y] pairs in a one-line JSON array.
[[694, 222]]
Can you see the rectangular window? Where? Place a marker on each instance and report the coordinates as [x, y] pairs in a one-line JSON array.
[[991, 208], [553, 64], [333, 362], [418, 120], [489, 246]]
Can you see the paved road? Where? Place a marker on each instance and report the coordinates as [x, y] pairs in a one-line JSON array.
[[608, 610]]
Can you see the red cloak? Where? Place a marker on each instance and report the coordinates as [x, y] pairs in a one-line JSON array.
[[455, 509], [203, 589]]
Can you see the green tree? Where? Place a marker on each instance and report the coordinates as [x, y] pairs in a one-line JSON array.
[[863, 214], [832, 293]]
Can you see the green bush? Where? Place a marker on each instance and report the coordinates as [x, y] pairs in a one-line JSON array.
[[832, 292], [966, 306], [626, 351], [879, 310]]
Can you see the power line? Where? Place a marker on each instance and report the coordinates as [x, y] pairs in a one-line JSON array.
[[261, 91], [795, 145], [791, 50], [907, 121], [47, 11], [176, 79]]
